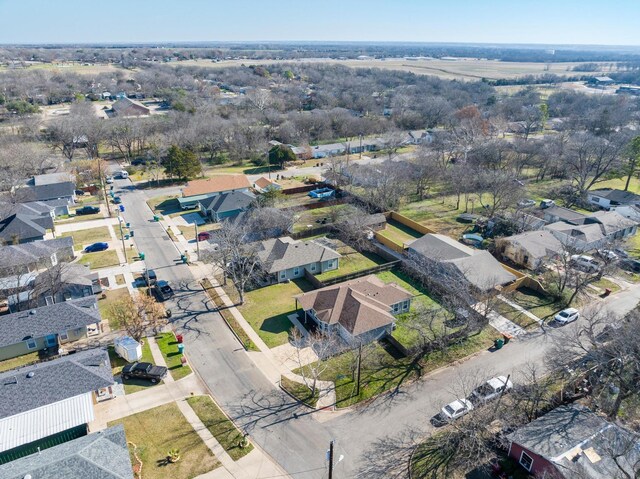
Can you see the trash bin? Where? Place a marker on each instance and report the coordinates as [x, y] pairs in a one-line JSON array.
[[179, 338], [128, 225], [181, 348], [156, 218], [141, 254], [183, 258], [183, 360], [498, 343], [131, 233], [126, 236]]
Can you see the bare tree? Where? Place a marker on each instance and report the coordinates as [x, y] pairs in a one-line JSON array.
[[324, 345], [137, 316]]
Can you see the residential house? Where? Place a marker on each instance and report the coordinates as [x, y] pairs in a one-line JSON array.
[[530, 249], [226, 205], [595, 231], [263, 184], [419, 137], [35, 256], [603, 81], [19, 228], [450, 260], [558, 213], [606, 198], [630, 212], [52, 186], [53, 208], [571, 442], [197, 190], [285, 258], [370, 222], [126, 107], [48, 327], [65, 283], [51, 401], [361, 310], [103, 454]]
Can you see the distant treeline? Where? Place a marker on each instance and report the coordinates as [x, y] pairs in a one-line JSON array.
[[135, 54]]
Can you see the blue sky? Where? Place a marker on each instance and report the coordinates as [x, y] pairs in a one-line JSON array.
[[487, 21]]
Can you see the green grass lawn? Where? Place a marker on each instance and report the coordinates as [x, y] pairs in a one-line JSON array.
[[85, 200], [399, 233], [164, 205], [266, 309], [308, 217], [633, 246], [101, 259], [104, 305], [220, 426], [132, 385], [542, 306], [382, 372], [421, 295], [604, 283], [23, 360], [155, 432], [300, 391], [82, 238], [618, 183], [169, 347], [80, 218], [353, 262]]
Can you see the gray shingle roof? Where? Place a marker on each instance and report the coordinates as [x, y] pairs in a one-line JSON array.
[[478, 267], [52, 179], [226, 202], [284, 253], [20, 227], [53, 191], [53, 381], [53, 319], [579, 442], [538, 244], [101, 455], [28, 253], [619, 196]]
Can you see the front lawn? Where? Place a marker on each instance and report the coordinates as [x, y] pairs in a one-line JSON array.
[[300, 391], [101, 259], [219, 425], [82, 238], [117, 363], [81, 218], [382, 370], [23, 360], [168, 345], [604, 283], [164, 204], [157, 431], [266, 309], [352, 262], [104, 305], [420, 294], [542, 306]]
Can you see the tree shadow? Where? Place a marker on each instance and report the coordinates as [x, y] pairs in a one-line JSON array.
[[389, 458]]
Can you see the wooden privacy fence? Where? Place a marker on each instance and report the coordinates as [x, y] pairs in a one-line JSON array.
[[414, 225], [388, 243], [317, 283]]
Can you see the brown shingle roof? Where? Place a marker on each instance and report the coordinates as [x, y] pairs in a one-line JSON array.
[[359, 305], [217, 184], [263, 182]]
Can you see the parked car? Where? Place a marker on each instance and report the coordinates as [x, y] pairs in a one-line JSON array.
[[88, 210], [117, 200], [456, 409], [491, 389], [109, 180], [123, 174], [567, 316], [526, 203], [95, 247], [149, 277], [204, 236], [144, 371], [80, 192], [162, 290], [547, 204], [630, 264], [585, 263]]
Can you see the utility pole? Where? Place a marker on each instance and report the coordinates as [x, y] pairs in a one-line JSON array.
[[104, 189], [124, 248], [331, 459], [197, 243]]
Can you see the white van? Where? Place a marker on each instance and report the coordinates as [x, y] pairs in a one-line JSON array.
[[585, 263], [123, 174]]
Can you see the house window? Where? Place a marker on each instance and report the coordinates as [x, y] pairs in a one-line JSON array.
[[405, 305], [31, 344], [313, 267], [296, 271], [595, 199], [396, 308], [283, 274], [330, 264], [63, 336], [48, 300], [526, 461]]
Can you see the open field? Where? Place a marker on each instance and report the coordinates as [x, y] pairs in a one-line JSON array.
[[460, 69], [157, 431], [65, 67]]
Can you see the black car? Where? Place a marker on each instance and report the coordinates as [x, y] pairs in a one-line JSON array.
[[162, 290], [149, 277], [88, 210], [630, 265], [144, 371]]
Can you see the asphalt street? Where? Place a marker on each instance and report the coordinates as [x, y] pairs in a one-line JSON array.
[[374, 440]]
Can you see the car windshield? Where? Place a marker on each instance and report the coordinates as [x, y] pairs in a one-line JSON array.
[[564, 314], [449, 409], [484, 390], [166, 288]]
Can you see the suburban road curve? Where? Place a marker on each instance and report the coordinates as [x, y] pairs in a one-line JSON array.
[[374, 440]]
